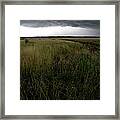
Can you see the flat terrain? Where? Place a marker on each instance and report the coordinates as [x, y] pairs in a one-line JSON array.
[[60, 69]]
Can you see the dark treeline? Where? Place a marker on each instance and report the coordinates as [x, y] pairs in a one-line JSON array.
[[63, 37]]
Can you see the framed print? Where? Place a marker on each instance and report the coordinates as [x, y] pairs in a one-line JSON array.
[[60, 60]]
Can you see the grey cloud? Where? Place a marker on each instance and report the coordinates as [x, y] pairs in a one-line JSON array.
[[74, 23]]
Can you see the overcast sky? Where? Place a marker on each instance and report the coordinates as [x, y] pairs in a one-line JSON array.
[[33, 28]]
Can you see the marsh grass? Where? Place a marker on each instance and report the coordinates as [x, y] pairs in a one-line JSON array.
[[59, 69]]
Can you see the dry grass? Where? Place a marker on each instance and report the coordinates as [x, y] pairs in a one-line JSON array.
[[60, 69]]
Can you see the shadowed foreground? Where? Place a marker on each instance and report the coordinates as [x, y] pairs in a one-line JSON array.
[[60, 69]]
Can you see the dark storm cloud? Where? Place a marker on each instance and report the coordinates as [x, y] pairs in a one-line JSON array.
[[94, 24]]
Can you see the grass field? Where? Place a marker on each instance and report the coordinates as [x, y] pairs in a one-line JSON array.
[[60, 69]]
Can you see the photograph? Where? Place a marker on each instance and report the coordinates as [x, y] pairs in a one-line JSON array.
[[57, 56], [59, 59]]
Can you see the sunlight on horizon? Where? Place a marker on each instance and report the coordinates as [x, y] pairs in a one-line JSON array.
[[56, 31]]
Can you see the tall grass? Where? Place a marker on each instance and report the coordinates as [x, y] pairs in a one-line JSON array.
[[59, 70]]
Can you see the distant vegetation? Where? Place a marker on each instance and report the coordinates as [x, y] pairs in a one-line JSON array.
[[60, 69]]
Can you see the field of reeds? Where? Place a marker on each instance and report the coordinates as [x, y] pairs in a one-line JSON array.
[[60, 69]]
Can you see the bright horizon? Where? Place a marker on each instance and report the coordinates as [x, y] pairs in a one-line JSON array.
[[56, 31]]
